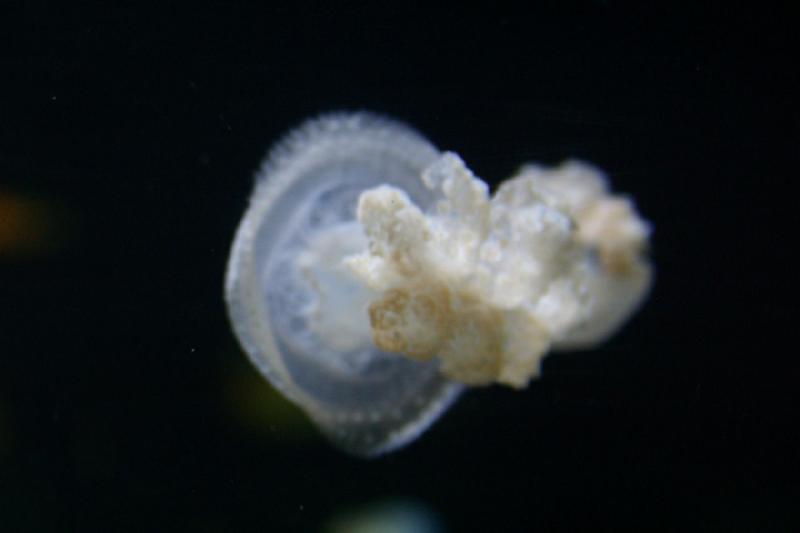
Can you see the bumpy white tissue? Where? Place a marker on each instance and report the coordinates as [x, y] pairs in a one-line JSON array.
[[488, 286]]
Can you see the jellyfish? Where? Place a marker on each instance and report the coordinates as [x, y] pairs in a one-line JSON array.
[[373, 278]]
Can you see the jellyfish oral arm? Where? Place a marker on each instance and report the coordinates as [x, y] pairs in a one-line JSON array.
[[489, 285]]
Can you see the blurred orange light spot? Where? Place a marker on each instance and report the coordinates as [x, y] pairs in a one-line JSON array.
[[24, 225]]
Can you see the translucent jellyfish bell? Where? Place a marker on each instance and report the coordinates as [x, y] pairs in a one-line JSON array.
[[299, 314]]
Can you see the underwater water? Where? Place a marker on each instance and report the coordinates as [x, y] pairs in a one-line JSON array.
[[130, 139]]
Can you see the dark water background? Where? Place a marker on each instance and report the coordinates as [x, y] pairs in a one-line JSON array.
[[128, 140]]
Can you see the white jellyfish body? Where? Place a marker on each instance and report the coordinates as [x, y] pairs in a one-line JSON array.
[[367, 401], [373, 277]]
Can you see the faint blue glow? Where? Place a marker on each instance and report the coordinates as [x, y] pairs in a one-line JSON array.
[[396, 516]]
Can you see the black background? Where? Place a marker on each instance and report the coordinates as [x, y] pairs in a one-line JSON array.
[[139, 130]]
